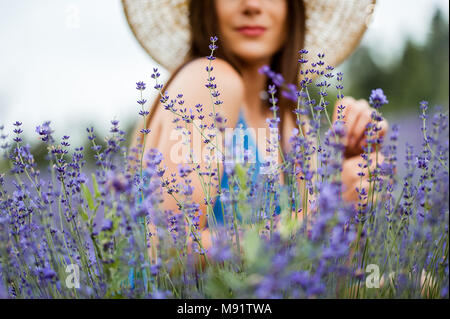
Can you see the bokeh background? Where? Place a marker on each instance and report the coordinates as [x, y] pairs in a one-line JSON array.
[[75, 63]]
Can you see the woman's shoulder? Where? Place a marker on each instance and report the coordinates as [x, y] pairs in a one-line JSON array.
[[219, 65], [226, 77], [191, 81]]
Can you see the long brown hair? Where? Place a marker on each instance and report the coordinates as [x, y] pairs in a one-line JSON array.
[[203, 25]]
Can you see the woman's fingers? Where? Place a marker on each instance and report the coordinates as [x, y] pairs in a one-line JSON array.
[[357, 115], [357, 132], [383, 126], [352, 116]]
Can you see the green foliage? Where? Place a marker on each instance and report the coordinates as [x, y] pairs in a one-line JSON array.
[[422, 71]]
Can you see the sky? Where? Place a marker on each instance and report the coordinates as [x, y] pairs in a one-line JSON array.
[[75, 62]]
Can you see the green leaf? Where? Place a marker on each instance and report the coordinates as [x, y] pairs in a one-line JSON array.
[[236, 281], [216, 286], [252, 246], [88, 196], [244, 209], [288, 224], [83, 214], [241, 174], [97, 193]]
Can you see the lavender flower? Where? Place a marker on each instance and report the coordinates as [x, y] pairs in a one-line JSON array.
[[377, 98]]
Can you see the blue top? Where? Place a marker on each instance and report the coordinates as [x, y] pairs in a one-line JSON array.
[[249, 144]]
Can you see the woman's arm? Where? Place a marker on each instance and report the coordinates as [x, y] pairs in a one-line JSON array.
[[357, 114], [190, 81]]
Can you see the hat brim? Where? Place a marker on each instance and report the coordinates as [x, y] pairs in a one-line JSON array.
[[333, 27]]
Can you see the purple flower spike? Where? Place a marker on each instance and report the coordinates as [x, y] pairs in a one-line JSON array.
[[140, 86], [377, 98], [424, 105], [107, 225]]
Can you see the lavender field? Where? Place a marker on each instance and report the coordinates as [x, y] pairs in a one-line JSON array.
[[105, 233]]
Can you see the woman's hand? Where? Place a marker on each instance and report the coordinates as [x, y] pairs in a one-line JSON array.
[[357, 114]]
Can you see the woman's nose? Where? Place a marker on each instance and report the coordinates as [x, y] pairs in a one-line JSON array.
[[251, 6]]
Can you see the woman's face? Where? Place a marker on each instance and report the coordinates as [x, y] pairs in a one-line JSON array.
[[253, 30]]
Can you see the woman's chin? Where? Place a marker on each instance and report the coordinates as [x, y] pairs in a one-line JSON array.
[[254, 57]]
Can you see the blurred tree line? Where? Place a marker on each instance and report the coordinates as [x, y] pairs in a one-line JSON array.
[[422, 73]]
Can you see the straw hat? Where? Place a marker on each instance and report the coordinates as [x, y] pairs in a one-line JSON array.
[[333, 27]]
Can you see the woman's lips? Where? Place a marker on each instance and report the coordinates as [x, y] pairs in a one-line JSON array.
[[252, 31]]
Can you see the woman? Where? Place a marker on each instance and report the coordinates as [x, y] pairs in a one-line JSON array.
[[252, 33]]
